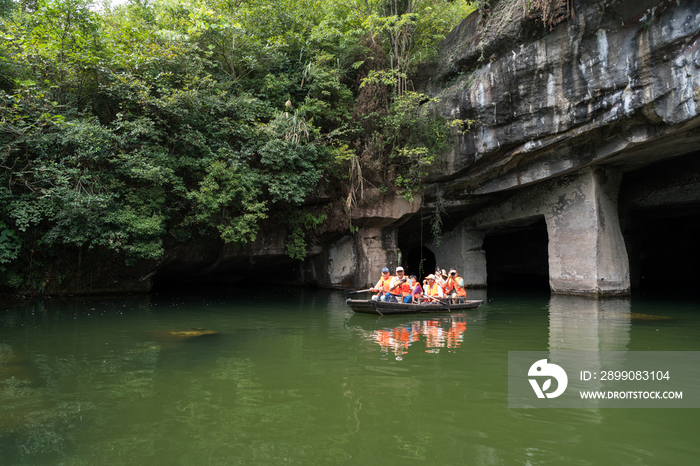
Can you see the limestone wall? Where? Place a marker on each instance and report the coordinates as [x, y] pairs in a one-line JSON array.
[[598, 88], [356, 260], [555, 119], [587, 253]]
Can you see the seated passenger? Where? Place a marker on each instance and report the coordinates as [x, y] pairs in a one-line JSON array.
[[455, 287], [399, 288], [433, 290], [416, 291], [439, 274], [382, 286]]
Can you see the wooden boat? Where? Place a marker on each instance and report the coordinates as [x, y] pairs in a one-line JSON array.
[[368, 306]]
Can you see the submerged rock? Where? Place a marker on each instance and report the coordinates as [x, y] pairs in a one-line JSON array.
[[192, 333]]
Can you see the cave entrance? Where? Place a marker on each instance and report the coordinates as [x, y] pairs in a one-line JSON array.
[[664, 251], [420, 261], [517, 256], [243, 272]]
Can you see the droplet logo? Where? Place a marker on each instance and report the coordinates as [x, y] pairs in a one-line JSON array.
[[544, 369]]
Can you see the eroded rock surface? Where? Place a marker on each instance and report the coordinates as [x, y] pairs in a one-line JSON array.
[[614, 84], [550, 123]]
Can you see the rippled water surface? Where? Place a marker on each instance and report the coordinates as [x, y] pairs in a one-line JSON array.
[[294, 377]]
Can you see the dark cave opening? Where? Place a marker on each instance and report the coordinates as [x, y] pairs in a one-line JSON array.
[[249, 272], [517, 257], [420, 261], [664, 250]]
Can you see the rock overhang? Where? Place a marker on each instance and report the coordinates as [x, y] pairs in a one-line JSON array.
[[611, 85]]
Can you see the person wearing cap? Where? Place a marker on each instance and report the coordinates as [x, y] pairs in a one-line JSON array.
[[441, 278], [416, 291], [382, 286], [433, 289], [399, 288], [454, 287]]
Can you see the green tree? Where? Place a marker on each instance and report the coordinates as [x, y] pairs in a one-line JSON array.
[[166, 121]]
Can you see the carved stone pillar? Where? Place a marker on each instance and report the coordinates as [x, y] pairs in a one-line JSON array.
[[462, 249], [357, 260], [587, 252], [376, 248]]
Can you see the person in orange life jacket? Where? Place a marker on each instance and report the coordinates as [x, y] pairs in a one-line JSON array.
[[443, 282], [434, 290], [382, 286], [416, 291], [441, 278], [399, 288], [454, 287], [437, 279]]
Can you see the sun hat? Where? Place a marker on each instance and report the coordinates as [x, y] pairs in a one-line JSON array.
[[399, 268], [431, 276]]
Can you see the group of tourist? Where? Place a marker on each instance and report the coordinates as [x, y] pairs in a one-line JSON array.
[[400, 289]]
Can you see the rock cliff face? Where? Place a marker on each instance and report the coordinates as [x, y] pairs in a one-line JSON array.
[[553, 120], [611, 85], [339, 260], [552, 127], [355, 261]]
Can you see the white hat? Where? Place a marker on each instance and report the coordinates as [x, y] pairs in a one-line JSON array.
[[431, 276], [399, 268]]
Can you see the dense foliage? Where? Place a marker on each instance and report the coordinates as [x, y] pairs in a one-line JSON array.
[[173, 120]]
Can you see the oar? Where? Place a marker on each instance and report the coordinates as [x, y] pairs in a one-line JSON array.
[[349, 293], [441, 302], [438, 300]]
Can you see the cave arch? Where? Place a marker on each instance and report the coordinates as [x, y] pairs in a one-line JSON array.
[[664, 251], [518, 257], [417, 255]]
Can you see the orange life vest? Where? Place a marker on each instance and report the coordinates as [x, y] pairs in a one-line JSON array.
[[413, 289], [384, 283], [404, 289], [433, 290], [454, 283]]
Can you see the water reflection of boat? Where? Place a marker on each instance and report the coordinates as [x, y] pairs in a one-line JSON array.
[[430, 334], [367, 306]]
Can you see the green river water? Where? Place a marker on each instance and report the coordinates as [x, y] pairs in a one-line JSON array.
[[294, 377]]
